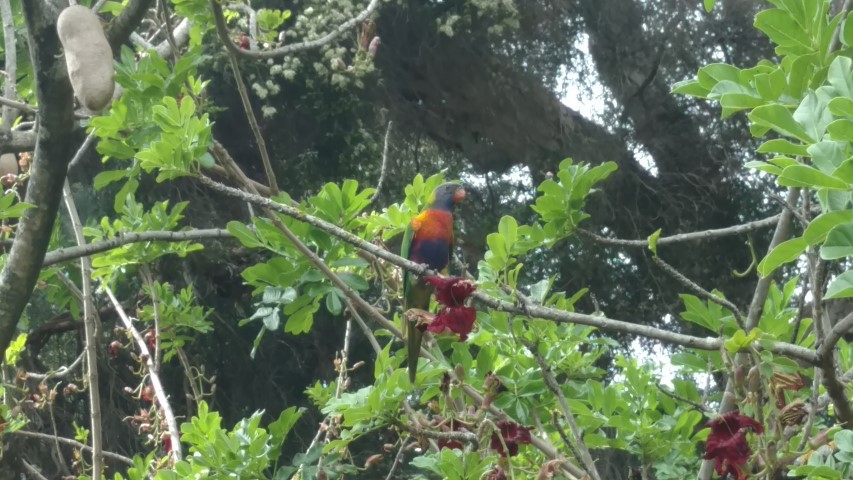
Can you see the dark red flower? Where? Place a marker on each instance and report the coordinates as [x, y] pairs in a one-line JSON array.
[[513, 435], [451, 291], [244, 42], [727, 445], [147, 393], [454, 319], [114, 348]]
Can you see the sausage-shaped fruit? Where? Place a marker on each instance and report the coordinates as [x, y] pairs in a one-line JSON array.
[[87, 55]]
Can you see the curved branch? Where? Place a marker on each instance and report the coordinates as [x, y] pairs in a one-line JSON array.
[[222, 29], [72, 253], [537, 311], [69, 442], [53, 151]]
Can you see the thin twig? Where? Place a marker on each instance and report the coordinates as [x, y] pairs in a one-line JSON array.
[[247, 104], [31, 470], [577, 433], [70, 442], [146, 276], [59, 372], [222, 30], [807, 429], [384, 169], [90, 329], [682, 279], [686, 237], [72, 253], [397, 459], [159, 391], [698, 406], [371, 338], [10, 53]]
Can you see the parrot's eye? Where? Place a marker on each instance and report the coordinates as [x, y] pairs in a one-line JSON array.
[[459, 195]]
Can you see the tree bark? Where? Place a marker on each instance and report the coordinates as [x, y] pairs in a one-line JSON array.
[[53, 151]]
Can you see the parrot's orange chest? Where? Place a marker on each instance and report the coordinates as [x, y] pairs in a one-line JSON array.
[[433, 225]]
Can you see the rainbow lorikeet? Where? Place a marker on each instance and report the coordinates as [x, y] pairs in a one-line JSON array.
[[429, 240]]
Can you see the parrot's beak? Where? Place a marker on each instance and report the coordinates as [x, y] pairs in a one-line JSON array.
[[459, 195]]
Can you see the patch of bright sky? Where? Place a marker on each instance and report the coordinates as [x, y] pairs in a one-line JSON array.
[[589, 97]]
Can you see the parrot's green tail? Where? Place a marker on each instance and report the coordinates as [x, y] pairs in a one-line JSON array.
[[414, 337]]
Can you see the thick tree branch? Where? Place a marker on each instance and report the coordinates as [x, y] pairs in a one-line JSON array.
[[126, 22], [52, 153], [17, 141]]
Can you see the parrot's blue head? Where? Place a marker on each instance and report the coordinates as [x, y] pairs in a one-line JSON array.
[[446, 196]]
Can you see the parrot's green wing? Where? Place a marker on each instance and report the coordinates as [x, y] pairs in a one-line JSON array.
[[414, 336], [405, 248]]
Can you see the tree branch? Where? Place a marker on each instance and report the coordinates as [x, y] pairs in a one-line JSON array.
[[759, 296], [10, 51], [126, 22], [70, 442], [244, 99], [222, 29], [153, 375], [384, 169], [47, 173], [90, 328], [679, 277], [71, 253], [686, 237], [604, 323]]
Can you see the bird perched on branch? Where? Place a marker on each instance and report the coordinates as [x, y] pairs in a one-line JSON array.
[[428, 240]]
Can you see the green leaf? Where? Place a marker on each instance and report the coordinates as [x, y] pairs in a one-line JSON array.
[[847, 32], [692, 88], [809, 177], [653, 242], [242, 233], [844, 440], [711, 75], [841, 106], [818, 228], [709, 4], [105, 178], [779, 119], [785, 252], [841, 287], [333, 302], [784, 31], [839, 76], [841, 130], [740, 340], [13, 351], [827, 155], [839, 243], [282, 426], [785, 147]]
